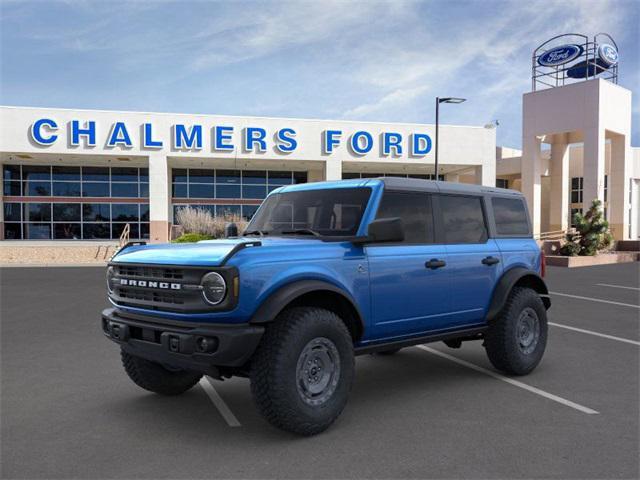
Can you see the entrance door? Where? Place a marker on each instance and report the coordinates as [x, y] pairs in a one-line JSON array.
[[410, 280]]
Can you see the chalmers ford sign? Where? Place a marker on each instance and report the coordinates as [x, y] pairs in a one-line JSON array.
[[45, 132]]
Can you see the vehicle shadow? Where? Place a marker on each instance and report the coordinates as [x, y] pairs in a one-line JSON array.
[[411, 379]]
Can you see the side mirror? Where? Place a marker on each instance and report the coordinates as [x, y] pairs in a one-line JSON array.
[[230, 230], [384, 230]]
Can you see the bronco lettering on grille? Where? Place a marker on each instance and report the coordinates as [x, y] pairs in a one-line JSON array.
[[150, 284]]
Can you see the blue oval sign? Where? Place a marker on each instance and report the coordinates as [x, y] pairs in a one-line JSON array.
[[608, 54], [560, 55]]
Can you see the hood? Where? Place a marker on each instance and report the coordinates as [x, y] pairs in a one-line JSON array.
[[206, 253]]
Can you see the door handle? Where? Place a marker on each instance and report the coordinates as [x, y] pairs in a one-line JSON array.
[[490, 261], [435, 263]]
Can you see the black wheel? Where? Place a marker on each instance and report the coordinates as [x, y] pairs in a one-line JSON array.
[[158, 378], [302, 371], [386, 353], [517, 338]]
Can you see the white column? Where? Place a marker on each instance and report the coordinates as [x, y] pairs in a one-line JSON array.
[[593, 166], [531, 182], [159, 197], [486, 174], [559, 204], [618, 188], [333, 169]]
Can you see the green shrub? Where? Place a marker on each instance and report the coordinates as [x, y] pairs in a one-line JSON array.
[[192, 238], [591, 235]]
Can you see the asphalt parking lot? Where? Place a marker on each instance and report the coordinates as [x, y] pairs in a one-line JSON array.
[[69, 411]]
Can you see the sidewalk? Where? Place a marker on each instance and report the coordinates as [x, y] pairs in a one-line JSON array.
[[52, 253]]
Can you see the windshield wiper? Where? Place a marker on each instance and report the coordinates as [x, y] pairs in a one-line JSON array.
[[301, 231], [261, 233]]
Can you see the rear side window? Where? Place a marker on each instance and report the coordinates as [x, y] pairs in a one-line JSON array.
[[511, 216], [414, 209], [463, 219]]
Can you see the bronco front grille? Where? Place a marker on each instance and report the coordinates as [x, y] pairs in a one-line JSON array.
[[149, 272], [172, 289]]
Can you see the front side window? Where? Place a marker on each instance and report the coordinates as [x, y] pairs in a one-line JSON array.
[[510, 216], [414, 209], [463, 219], [333, 212]]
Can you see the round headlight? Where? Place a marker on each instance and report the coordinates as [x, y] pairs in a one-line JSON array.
[[214, 288], [111, 273]]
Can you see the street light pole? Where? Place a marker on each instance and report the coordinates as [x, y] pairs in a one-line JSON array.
[[437, 142], [438, 102]]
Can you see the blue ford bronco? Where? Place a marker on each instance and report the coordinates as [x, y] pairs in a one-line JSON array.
[[325, 272]]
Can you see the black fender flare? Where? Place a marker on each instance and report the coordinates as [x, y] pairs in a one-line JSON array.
[[278, 300], [506, 283]]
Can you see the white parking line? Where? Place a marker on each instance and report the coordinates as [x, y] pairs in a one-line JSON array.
[[617, 286], [595, 300], [590, 332], [511, 381], [227, 414]]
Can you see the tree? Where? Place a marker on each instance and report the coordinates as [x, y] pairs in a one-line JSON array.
[[591, 235]]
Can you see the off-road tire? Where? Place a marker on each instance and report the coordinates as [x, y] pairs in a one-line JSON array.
[[502, 341], [156, 378], [275, 382], [391, 351]]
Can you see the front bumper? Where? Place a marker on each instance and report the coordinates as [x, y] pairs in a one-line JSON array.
[[198, 347]]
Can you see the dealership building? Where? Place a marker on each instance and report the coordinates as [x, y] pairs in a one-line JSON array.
[[86, 174]]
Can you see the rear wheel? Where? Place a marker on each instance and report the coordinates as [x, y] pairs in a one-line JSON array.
[[158, 378], [517, 338], [303, 369]]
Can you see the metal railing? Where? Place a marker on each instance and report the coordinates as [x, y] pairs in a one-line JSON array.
[[553, 235], [124, 236]]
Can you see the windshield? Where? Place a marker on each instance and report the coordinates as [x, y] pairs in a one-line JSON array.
[[331, 212]]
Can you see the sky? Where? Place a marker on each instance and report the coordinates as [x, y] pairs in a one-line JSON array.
[[351, 60]]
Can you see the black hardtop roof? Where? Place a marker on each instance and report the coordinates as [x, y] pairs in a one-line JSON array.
[[416, 184]]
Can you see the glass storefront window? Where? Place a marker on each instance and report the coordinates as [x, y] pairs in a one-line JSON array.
[[95, 189], [13, 231], [37, 189], [12, 189], [124, 189], [50, 220], [66, 189], [228, 176], [12, 212], [124, 212], [96, 212], [66, 212], [227, 191], [129, 174], [37, 212], [96, 231], [95, 174], [37, 231], [254, 191], [11, 172], [197, 190], [36, 172], [70, 231], [66, 173]]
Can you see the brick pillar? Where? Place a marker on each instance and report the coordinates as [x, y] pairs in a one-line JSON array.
[[159, 197]]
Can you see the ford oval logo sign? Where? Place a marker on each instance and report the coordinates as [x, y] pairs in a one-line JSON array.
[[608, 54], [560, 55]]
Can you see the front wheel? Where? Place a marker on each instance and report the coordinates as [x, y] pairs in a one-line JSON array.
[[517, 338], [303, 369]]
